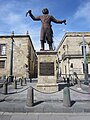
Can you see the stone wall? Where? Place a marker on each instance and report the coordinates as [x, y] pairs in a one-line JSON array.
[[22, 56], [70, 52]]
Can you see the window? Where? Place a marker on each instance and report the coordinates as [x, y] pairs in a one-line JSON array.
[[71, 65], [2, 63], [2, 49]]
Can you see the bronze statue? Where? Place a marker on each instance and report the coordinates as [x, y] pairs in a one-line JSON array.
[[46, 29]]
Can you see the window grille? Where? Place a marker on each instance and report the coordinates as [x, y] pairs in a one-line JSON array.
[[2, 64], [2, 49]]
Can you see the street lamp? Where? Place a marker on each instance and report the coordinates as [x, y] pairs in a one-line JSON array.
[[85, 66], [58, 63], [11, 59], [89, 45]]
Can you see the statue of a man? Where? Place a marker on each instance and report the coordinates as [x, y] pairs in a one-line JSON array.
[[46, 34]]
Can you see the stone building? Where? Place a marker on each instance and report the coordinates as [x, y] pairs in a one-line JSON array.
[[24, 56], [70, 54]]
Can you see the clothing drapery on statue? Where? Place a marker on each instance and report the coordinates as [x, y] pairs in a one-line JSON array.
[[46, 34]]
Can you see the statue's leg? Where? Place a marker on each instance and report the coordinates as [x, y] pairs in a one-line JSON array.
[[50, 46], [49, 39], [42, 45]]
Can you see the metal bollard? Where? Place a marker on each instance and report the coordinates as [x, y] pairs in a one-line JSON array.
[[30, 97], [15, 84], [72, 81], [25, 81], [68, 81], [89, 88], [66, 97], [79, 85], [21, 82], [5, 88]]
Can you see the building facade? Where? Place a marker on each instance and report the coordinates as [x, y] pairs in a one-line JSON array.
[[24, 56], [71, 54]]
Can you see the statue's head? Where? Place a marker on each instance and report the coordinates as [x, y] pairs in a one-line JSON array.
[[45, 11]]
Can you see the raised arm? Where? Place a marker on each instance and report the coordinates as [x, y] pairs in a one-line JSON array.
[[32, 16], [58, 21]]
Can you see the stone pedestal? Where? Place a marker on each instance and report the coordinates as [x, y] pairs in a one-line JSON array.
[[47, 75]]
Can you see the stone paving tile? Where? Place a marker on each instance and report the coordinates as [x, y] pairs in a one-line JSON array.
[[46, 117], [31, 116], [19, 116], [5, 117], [1, 113]]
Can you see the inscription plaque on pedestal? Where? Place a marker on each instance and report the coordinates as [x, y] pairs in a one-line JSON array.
[[46, 68]]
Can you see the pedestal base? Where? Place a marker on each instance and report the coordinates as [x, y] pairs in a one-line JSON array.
[[47, 72], [47, 87]]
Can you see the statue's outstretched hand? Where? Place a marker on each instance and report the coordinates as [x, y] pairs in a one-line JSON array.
[[64, 21], [29, 12]]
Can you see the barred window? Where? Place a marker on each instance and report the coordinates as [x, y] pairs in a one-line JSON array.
[[2, 49], [2, 63]]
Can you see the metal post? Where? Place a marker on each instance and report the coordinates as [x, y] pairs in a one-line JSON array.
[[25, 81], [85, 67], [59, 70], [11, 61], [15, 83], [5, 88], [79, 84], [21, 81]]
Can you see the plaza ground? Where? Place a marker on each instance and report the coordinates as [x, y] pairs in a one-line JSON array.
[[46, 106]]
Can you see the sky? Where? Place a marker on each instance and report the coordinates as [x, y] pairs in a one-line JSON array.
[[12, 18]]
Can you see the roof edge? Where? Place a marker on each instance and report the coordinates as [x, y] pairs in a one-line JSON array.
[[72, 34]]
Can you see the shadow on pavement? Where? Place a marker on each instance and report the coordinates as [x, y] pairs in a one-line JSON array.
[[37, 103]]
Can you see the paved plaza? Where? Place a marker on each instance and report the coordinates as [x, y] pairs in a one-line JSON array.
[[46, 106], [44, 116]]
